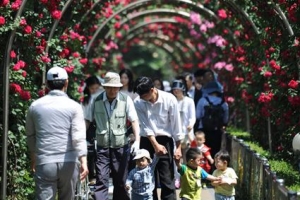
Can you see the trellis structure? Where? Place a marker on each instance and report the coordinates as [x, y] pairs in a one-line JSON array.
[[244, 20]]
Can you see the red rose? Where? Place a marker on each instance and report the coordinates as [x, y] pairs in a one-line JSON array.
[[16, 5], [2, 20], [293, 84], [16, 67], [13, 54], [45, 59], [38, 34], [4, 3], [21, 63], [267, 74], [24, 74], [41, 93], [83, 61], [69, 69], [44, 1], [76, 54], [27, 29], [16, 88], [25, 95], [56, 14]]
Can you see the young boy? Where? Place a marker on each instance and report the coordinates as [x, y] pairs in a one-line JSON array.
[[191, 175], [206, 160], [141, 178], [224, 189]]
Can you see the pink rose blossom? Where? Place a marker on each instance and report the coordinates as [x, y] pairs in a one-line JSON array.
[[13, 54], [222, 14], [195, 18], [23, 22]]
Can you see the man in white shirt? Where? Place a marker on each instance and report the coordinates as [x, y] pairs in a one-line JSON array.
[[160, 123], [55, 130]]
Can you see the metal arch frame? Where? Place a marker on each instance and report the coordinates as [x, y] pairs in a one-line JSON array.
[[175, 47], [245, 15], [178, 44], [151, 12], [168, 49], [68, 3], [140, 4], [156, 11], [6, 104]]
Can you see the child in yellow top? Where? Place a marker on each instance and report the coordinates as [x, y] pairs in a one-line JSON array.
[[224, 189], [191, 175]]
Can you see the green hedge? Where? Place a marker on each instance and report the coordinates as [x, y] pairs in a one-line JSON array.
[[283, 168]]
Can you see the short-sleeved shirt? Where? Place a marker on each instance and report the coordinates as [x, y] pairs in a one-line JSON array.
[[190, 182], [225, 189], [205, 150], [161, 118]]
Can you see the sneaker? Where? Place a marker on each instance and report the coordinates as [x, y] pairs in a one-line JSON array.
[[204, 186], [177, 183]]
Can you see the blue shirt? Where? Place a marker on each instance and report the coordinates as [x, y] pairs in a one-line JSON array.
[[214, 100], [142, 181]]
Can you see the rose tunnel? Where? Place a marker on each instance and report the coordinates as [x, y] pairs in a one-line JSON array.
[[252, 45]]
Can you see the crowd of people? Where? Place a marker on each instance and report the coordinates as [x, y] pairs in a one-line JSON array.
[[133, 132]]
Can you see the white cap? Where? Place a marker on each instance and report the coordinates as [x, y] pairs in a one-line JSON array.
[[57, 73], [112, 79], [140, 153]]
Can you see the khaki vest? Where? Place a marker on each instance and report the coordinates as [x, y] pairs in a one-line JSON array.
[[110, 131]]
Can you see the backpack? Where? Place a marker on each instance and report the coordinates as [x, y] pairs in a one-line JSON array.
[[213, 116]]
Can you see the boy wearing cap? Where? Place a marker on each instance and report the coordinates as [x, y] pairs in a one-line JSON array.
[[55, 132], [111, 110], [141, 179]]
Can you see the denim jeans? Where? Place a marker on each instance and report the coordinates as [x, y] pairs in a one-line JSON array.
[[222, 197]]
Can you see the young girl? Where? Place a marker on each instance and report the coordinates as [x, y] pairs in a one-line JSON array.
[[141, 179], [191, 175], [224, 189], [127, 81]]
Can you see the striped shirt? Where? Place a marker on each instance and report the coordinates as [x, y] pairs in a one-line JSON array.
[[142, 181]]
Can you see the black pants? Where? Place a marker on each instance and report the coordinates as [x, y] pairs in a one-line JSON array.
[[213, 139], [164, 169], [91, 161]]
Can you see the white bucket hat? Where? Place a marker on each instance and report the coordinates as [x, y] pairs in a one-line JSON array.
[[112, 79], [140, 153]]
